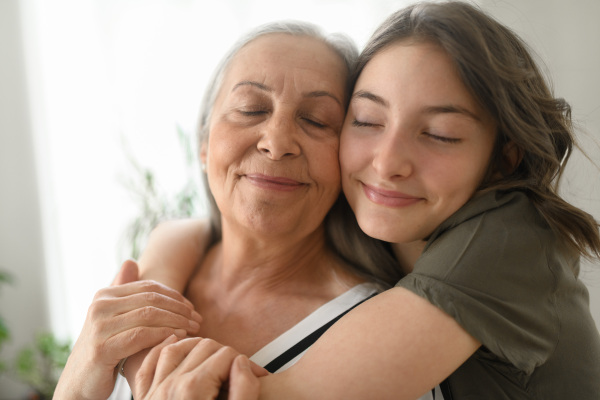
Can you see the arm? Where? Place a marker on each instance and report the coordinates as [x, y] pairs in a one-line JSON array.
[[196, 368], [396, 345], [173, 251], [123, 319]]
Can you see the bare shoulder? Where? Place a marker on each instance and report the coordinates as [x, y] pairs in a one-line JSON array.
[[194, 227], [173, 251]]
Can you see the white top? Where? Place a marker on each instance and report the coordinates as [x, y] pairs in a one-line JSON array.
[[311, 323], [286, 340]]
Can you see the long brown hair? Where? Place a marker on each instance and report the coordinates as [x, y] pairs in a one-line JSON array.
[[498, 69]]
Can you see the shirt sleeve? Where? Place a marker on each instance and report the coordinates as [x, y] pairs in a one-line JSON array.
[[493, 273]]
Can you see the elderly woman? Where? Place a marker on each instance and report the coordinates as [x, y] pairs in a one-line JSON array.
[[271, 278]]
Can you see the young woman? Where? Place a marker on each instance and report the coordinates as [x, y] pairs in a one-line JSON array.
[[452, 150]]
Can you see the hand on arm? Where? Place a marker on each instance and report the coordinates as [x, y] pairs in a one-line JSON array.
[[173, 251], [394, 346], [195, 368], [123, 319]]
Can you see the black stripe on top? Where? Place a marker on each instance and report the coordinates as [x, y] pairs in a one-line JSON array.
[[305, 343]]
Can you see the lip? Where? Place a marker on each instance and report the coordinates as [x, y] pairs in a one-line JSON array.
[[389, 198], [274, 182]]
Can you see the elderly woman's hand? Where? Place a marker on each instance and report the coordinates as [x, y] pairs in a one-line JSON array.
[[196, 368], [123, 319]]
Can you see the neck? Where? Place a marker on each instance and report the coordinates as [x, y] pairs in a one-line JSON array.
[[408, 254], [296, 264]]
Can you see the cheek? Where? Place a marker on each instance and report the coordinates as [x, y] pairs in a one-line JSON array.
[[223, 146], [458, 181], [349, 157], [325, 165]]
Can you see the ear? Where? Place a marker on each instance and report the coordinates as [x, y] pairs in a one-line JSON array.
[[204, 153], [512, 156]]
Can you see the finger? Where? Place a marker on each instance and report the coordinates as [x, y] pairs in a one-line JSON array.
[[129, 272], [127, 297], [200, 353], [243, 384], [130, 288], [132, 341], [172, 356], [143, 379], [257, 370], [151, 316], [108, 317], [122, 305], [212, 371]]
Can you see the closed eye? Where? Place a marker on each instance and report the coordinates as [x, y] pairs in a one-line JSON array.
[[314, 123], [443, 139], [252, 113], [362, 124]]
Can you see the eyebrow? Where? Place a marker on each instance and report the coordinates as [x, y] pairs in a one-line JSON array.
[[323, 93], [313, 94], [443, 109], [252, 83], [452, 109], [363, 94]]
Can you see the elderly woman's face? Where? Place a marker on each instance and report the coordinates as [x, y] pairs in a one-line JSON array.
[[272, 153]]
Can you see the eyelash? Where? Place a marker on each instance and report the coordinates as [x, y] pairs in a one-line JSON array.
[[252, 113], [361, 124], [314, 123], [442, 139], [261, 112]]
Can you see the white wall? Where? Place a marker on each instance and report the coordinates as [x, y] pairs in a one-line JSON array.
[[565, 35], [23, 305]]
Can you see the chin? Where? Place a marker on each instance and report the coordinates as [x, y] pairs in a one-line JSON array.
[[376, 229]]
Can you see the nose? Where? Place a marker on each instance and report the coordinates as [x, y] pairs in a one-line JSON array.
[[278, 138], [393, 157]]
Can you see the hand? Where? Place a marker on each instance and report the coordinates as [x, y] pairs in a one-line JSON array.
[[122, 320], [196, 368]]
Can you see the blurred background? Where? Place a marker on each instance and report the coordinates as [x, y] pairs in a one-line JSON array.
[[98, 99]]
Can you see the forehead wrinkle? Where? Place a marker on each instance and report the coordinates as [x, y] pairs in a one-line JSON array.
[[323, 93], [253, 84]]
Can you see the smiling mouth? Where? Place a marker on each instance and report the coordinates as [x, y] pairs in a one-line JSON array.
[[274, 182], [389, 198]]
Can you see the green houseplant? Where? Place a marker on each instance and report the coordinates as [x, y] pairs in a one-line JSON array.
[[38, 365], [154, 203], [5, 278]]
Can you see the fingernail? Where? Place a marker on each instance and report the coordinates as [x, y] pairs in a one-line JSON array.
[[171, 339], [196, 316], [194, 325], [243, 361], [181, 333]]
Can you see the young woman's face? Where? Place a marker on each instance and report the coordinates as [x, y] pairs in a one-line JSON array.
[[415, 144]]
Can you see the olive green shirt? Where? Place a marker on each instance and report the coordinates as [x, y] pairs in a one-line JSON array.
[[497, 268]]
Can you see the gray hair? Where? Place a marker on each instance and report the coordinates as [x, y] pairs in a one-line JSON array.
[[366, 256], [339, 43]]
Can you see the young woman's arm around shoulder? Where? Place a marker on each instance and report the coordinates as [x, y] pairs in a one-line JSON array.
[[394, 346]]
